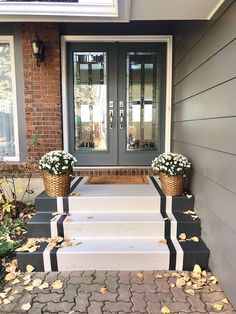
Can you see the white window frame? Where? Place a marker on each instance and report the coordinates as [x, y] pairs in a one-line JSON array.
[[168, 39], [10, 40]]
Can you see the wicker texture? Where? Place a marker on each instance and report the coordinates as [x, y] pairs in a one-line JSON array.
[[56, 185], [172, 185]]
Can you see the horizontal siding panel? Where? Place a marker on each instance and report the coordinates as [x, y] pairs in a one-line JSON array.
[[222, 240], [217, 70], [215, 197], [217, 37], [216, 102], [217, 134]]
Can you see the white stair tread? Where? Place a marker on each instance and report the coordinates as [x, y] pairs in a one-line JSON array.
[[113, 217], [128, 245]]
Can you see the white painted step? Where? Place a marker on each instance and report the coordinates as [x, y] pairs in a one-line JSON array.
[[112, 224], [115, 254]]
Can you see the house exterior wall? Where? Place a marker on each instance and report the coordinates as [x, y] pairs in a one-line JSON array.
[[204, 129]]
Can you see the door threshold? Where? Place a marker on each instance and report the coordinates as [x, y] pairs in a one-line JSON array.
[[109, 167]]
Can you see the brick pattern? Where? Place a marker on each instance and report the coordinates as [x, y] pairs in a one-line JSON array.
[[126, 293], [42, 89]]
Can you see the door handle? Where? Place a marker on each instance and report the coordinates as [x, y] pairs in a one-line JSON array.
[[111, 115], [121, 119]]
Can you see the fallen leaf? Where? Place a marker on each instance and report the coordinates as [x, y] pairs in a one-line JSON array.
[[213, 280], [33, 249], [166, 275], [44, 286], [103, 290], [6, 301], [182, 236], [15, 281], [58, 284], [158, 276], [196, 273], [29, 268], [26, 306], [189, 212], [3, 295], [225, 301], [190, 291], [172, 285], [69, 220], [218, 307], [78, 243], [195, 239], [140, 275], [10, 276], [166, 218], [189, 196], [165, 310], [27, 277], [67, 243], [162, 241], [29, 288], [27, 282], [175, 274], [180, 282], [37, 282], [7, 289]]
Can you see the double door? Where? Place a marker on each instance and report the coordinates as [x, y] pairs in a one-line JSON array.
[[116, 102]]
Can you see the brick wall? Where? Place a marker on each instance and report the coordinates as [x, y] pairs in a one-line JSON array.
[[42, 89]]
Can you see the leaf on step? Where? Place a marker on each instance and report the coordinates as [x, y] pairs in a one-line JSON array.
[[74, 194], [56, 239], [182, 236], [69, 220], [103, 290], [162, 241], [158, 276], [29, 268], [175, 274], [165, 310], [140, 275], [10, 276], [60, 214], [26, 306], [15, 281], [194, 217], [217, 307], [6, 301], [67, 243], [189, 196], [172, 285], [166, 218], [27, 277], [190, 291], [58, 284], [37, 282], [78, 243], [3, 295], [29, 288], [196, 273], [44, 286], [189, 212], [213, 280], [166, 275], [195, 239], [180, 282], [225, 301], [7, 289]]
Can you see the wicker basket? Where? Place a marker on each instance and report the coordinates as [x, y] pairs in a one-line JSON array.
[[172, 185], [56, 185]]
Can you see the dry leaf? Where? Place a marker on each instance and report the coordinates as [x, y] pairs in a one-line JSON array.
[[180, 282], [3, 295], [26, 306], [74, 194], [27, 282], [10, 276], [33, 249], [165, 310], [175, 274], [166, 218], [29, 268], [58, 284], [225, 301], [190, 291], [15, 281], [189, 212], [182, 236], [196, 273], [140, 275], [103, 290], [162, 241], [37, 282], [158, 276], [217, 307], [166, 275], [29, 288], [67, 243], [6, 301], [172, 285], [213, 280], [7, 290], [195, 239], [44, 286], [189, 196], [69, 220], [78, 243], [27, 277]]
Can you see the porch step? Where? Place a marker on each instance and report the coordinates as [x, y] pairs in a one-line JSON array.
[[119, 227], [117, 254], [110, 224]]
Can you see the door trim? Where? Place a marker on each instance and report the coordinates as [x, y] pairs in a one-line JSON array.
[[168, 39]]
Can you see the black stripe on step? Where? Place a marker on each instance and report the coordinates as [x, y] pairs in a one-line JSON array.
[[76, 183], [172, 250], [65, 204]]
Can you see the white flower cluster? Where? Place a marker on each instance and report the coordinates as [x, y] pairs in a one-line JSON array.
[[171, 164], [57, 162]]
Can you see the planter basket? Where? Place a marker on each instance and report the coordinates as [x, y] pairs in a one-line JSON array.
[[56, 185], [172, 185]]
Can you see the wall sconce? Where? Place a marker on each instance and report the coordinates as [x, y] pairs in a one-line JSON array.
[[38, 49]]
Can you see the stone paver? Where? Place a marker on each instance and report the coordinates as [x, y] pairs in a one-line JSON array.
[[126, 292]]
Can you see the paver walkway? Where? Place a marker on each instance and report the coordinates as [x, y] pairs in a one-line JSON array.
[[125, 292]]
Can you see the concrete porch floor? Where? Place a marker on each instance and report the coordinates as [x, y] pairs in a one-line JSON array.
[[127, 292]]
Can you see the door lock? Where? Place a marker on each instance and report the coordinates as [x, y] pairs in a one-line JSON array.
[[111, 114]]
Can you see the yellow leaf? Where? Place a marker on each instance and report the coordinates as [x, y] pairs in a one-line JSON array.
[[162, 241], [180, 282], [15, 281], [33, 249], [26, 306], [189, 212], [182, 236], [165, 310], [67, 243], [213, 280], [37, 282], [140, 275], [166, 275], [225, 301], [175, 274], [158, 276], [3, 295], [29, 288], [29, 268], [197, 271], [58, 284], [218, 307], [44, 286], [27, 282], [172, 285], [10, 276], [6, 301], [19, 190], [7, 290], [103, 290], [195, 239], [190, 291], [27, 277]]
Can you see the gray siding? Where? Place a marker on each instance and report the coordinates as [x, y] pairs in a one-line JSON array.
[[204, 129]]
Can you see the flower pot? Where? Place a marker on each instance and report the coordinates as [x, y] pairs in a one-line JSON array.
[[172, 185], [56, 185]]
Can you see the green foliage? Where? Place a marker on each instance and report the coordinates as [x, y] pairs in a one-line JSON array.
[[7, 247]]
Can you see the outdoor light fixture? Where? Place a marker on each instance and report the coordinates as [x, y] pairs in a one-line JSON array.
[[38, 49]]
